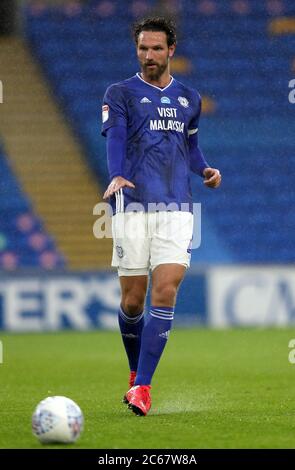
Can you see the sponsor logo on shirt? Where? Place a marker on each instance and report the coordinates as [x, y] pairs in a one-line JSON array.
[[105, 113], [165, 100], [183, 101], [145, 100], [167, 124]]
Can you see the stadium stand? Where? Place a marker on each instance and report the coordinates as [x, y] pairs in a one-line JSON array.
[[47, 160], [236, 54], [24, 241]]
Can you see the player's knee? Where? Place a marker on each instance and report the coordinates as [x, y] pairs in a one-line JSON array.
[[133, 304], [164, 294]]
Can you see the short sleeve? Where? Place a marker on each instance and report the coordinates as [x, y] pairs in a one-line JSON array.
[[113, 109], [194, 123]]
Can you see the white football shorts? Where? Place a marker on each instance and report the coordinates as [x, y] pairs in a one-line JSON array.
[[143, 240]]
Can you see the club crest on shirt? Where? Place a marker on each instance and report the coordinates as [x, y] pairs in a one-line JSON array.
[[183, 101], [165, 100], [105, 113], [120, 252]]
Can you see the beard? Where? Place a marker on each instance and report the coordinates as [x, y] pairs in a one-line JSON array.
[[155, 72]]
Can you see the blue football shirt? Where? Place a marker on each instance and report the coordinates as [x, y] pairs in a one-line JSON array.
[[159, 122]]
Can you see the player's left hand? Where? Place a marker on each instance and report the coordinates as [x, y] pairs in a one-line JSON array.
[[212, 177]]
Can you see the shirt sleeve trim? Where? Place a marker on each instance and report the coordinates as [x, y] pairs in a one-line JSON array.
[[192, 131]]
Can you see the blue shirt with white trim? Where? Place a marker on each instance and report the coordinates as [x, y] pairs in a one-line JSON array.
[[159, 122]]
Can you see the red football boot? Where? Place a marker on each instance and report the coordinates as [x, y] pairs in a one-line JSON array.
[[132, 378], [139, 399]]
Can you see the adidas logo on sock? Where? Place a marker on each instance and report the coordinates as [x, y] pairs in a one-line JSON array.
[[145, 100], [165, 334]]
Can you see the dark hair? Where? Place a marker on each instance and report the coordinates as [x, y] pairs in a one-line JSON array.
[[156, 24]]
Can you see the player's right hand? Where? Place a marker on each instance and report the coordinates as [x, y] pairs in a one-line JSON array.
[[117, 183]]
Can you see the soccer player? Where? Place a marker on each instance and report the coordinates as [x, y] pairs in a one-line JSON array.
[[151, 126]]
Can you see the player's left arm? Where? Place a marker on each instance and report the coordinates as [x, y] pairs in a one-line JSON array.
[[198, 164], [212, 177]]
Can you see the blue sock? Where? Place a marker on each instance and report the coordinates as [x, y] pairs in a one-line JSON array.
[[131, 328], [153, 341]]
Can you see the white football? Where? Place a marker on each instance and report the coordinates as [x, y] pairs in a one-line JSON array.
[[57, 419]]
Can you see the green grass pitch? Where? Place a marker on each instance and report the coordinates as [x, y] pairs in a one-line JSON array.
[[212, 389]]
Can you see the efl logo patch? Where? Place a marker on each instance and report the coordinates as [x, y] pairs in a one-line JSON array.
[[105, 113]]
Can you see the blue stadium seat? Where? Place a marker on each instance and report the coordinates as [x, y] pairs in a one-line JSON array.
[[23, 238]]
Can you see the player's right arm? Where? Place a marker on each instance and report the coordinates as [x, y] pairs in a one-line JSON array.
[[114, 128], [116, 154]]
